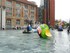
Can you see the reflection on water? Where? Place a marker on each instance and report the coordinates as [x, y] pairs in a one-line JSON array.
[[17, 42], [61, 42]]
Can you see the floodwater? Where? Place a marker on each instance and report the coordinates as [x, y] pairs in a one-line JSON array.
[[14, 41]]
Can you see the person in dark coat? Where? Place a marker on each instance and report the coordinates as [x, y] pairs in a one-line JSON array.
[[29, 28], [68, 29]]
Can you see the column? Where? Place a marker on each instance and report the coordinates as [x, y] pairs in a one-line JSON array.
[[3, 18]]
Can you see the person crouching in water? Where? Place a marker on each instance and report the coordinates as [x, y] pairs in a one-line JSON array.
[[29, 28]]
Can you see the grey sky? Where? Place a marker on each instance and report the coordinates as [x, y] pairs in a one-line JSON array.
[[62, 9], [37, 2]]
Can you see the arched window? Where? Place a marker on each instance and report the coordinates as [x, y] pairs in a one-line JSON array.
[[18, 9], [8, 8]]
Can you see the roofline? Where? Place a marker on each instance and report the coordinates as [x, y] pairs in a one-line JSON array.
[[27, 2]]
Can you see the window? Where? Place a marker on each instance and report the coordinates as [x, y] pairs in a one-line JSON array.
[[26, 21], [18, 9], [18, 5], [8, 4], [18, 22], [25, 16], [32, 12], [25, 13], [18, 12], [32, 17], [8, 22], [25, 6], [8, 11], [8, 14], [8, 8], [32, 8]]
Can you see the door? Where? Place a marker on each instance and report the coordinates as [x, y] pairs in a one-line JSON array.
[[8, 24]]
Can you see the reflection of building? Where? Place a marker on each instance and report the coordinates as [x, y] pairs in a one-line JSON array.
[[15, 12], [48, 10]]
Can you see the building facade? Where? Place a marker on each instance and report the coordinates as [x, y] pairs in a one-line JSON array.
[[16, 13], [48, 11]]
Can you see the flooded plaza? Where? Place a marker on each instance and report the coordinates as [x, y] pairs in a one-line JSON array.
[[14, 41]]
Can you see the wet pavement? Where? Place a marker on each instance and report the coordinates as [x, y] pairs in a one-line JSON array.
[[14, 41]]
